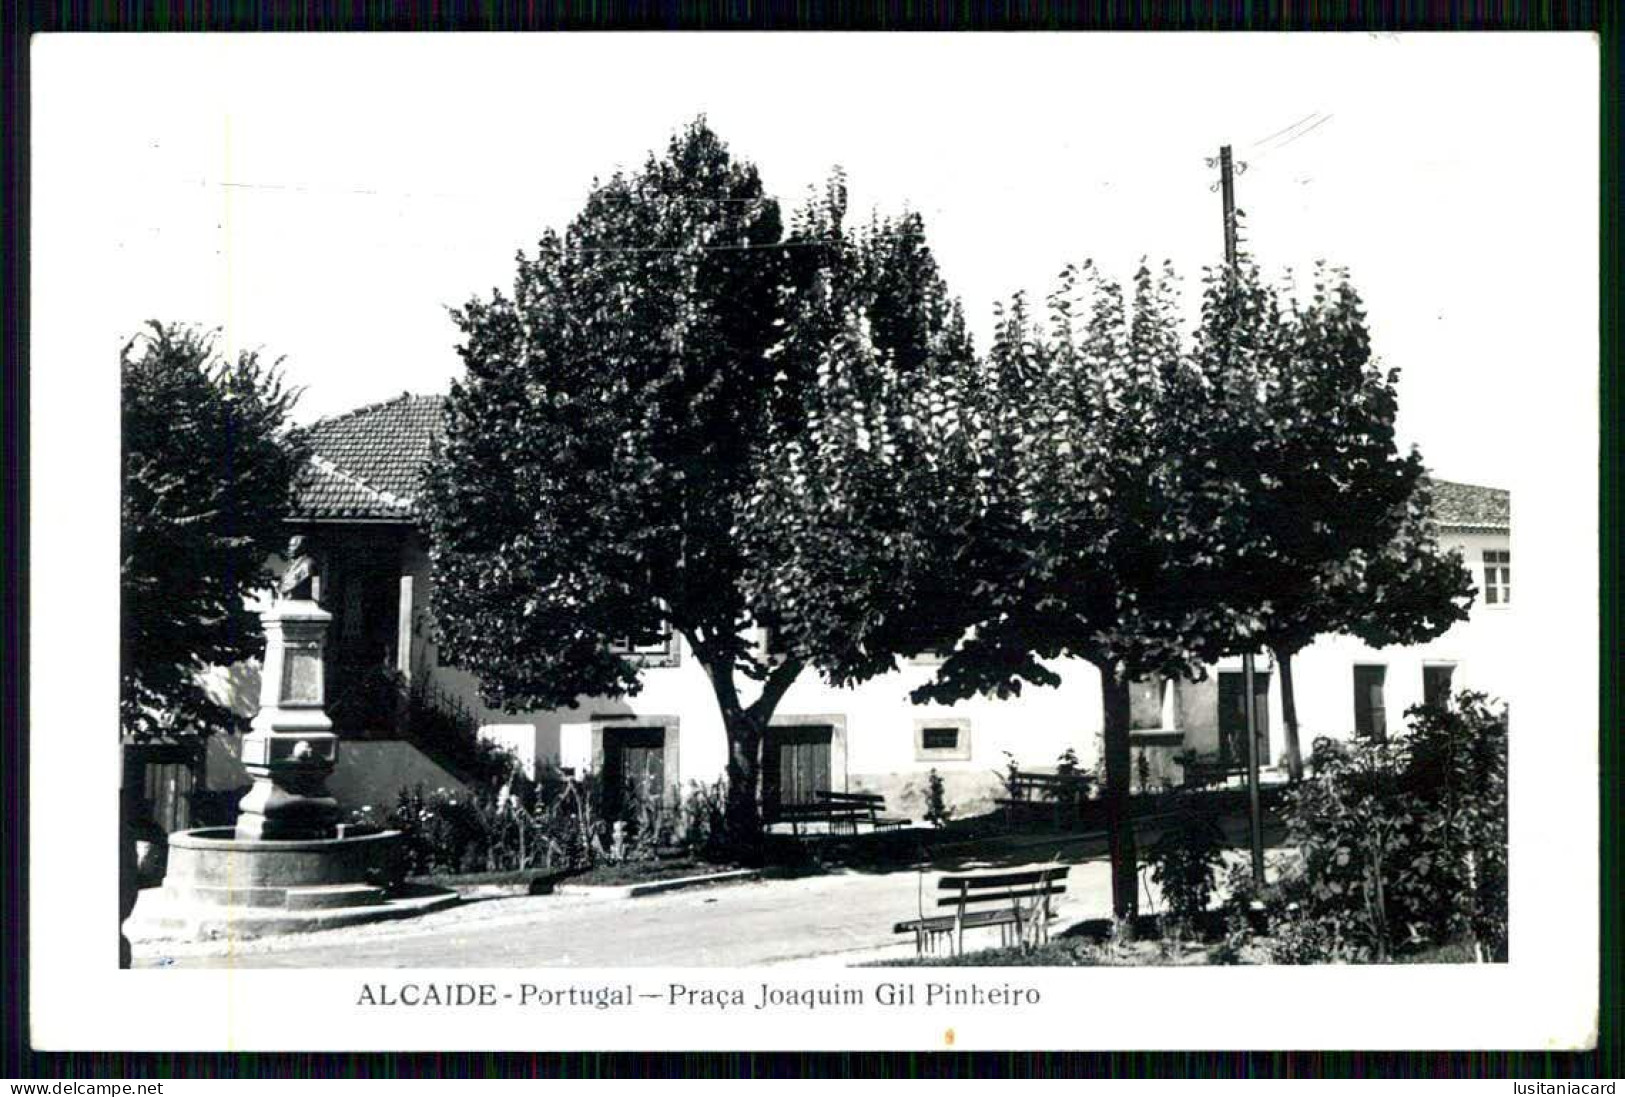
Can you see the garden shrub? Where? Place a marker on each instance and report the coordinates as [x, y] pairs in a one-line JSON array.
[[1187, 855], [704, 819], [937, 811], [1404, 841], [1077, 781], [1457, 885], [555, 822]]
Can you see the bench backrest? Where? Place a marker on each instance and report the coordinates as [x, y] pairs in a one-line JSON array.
[[1048, 784], [1003, 887], [816, 811], [864, 799]]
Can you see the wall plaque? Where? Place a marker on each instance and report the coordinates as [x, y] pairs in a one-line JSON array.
[[302, 675]]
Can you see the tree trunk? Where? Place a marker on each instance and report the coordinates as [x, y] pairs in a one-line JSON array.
[[129, 885], [1114, 695], [1289, 716], [745, 727], [743, 810]]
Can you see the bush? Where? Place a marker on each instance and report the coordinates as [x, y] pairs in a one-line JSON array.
[[937, 811], [1187, 855], [556, 822], [552, 823], [1403, 842], [704, 820], [1077, 781]]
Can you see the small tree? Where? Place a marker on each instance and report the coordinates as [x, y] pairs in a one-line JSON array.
[[1340, 518], [208, 471], [1103, 538]]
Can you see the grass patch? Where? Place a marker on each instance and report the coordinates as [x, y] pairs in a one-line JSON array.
[[1067, 952], [1458, 952]]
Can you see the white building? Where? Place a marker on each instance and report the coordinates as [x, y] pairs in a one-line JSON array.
[[358, 501]]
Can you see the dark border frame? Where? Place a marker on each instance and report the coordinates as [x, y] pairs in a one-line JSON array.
[[19, 1060]]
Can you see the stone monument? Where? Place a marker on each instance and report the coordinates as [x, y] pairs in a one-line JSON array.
[[292, 749], [289, 866]]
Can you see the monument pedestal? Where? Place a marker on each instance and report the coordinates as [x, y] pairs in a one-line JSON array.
[[292, 749]]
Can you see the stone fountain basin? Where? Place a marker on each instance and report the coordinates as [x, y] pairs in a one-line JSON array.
[[211, 865]]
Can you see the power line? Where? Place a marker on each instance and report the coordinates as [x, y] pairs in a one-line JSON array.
[[1302, 134], [1297, 136], [1284, 129], [369, 192], [814, 243]]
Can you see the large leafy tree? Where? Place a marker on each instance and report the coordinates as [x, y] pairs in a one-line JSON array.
[[619, 412], [1341, 516], [208, 470], [1108, 536], [851, 524]]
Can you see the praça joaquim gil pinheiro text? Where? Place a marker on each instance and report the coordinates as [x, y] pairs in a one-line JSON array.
[[995, 995]]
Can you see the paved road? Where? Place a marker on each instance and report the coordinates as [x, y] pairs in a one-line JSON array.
[[838, 919], [841, 917]]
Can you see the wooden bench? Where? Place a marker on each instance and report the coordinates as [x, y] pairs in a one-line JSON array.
[[1031, 792], [871, 802], [1203, 773], [804, 818], [1019, 903]]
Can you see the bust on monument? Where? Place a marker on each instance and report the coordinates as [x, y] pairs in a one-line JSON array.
[[298, 582]]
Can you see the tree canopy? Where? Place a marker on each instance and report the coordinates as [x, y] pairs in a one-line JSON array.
[[1107, 530], [602, 464], [1342, 517], [208, 470]]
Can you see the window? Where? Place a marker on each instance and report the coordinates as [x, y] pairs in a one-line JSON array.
[[942, 739], [1497, 577], [1436, 683], [660, 653], [1370, 707], [935, 650], [770, 645], [1151, 704]]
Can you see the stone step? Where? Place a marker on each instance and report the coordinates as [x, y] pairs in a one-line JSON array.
[[334, 896]]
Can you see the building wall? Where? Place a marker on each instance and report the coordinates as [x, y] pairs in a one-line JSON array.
[[1481, 649], [881, 749], [369, 774]]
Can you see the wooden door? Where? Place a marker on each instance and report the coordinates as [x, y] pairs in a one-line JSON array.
[[795, 765], [1233, 716], [634, 768]]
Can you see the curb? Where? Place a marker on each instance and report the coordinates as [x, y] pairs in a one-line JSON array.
[[655, 887], [206, 922]]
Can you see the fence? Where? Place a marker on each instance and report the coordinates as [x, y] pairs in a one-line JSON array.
[[166, 772]]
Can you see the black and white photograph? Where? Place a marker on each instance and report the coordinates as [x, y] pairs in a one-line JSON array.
[[746, 540]]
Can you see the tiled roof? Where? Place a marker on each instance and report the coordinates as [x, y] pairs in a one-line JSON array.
[[366, 463], [1468, 506]]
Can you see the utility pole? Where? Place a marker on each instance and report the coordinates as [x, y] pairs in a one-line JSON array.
[[1227, 185]]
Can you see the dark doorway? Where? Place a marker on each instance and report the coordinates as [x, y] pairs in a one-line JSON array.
[[363, 596], [634, 768], [1370, 704], [1233, 716], [795, 765]]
